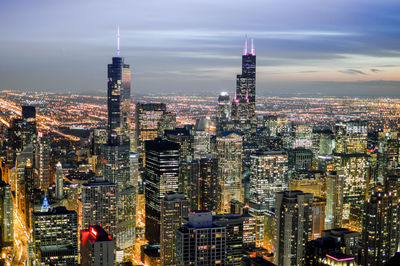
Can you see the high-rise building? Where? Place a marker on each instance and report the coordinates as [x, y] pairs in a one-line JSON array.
[[229, 147], [174, 208], [268, 175], [380, 232], [161, 177], [59, 182], [29, 132], [115, 154], [98, 200], [200, 143], [183, 137], [293, 214], [55, 236], [238, 230], [43, 160], [6, 214], [354, 169], [147, 118], [97, 247], [223, 113], [334, 200], [200, 241], [209, 185], [244, 102]]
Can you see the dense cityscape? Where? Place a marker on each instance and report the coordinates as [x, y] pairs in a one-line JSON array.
[[227, 179]]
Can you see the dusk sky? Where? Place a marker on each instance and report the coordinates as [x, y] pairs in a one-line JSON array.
[[313, 47]]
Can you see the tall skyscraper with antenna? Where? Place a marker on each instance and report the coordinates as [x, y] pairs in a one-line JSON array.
[[244, 102], [115, 154]]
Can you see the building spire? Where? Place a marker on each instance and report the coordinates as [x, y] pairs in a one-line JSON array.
[[118, 54], [252, 47], [245, 47]]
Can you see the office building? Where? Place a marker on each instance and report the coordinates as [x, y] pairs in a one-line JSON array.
[[244, 102], [293, 214], [55, 236], [98, 201], [230, 149], [174, 208], [268, 175], [43, 160], [6, 214], [147, 117], [200, 241], [161, 177], [380, 231]]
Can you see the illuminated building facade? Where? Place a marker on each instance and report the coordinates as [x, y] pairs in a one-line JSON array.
[[147, 117], [200, 241], [293, 214], [43, 160], [161, 177], [223, 112], [6, 214], [174, 208], [312, 181], [268, 175], [353, 168], [380, 234], [230, 149], [99, 205], [59, 182], [55, 236], [97, 247]]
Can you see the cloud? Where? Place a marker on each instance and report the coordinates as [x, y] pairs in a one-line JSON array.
[[352, 72], [375, 70]]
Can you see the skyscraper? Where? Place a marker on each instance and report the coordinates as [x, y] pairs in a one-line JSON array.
[[223, 112], [115, 154], [59, 182], [230, 149], [43, 160], [99, 205], [380, 231], [6, 214], [268, 175], [244, 102], [147, 118], [293, 214], [161, 177], [174, 207]]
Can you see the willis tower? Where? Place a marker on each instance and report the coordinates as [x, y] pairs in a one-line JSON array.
[[244, 102], [115, 156]]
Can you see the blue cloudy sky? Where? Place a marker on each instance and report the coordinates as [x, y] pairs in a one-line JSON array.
[[314, 47]]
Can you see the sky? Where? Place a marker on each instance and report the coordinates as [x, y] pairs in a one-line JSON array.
[[303, 47]]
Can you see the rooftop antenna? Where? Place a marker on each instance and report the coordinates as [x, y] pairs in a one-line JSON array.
[[118, 42], [245, 47], [252, 47]]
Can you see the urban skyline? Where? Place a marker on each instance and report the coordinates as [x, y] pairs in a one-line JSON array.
[[339, 48], [225, 178]]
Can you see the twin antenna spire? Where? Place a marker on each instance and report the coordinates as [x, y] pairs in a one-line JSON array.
[[252, 50]]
